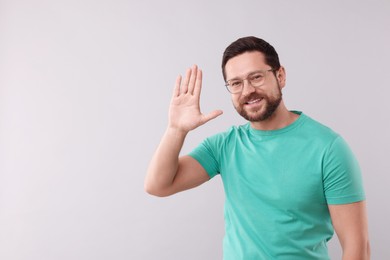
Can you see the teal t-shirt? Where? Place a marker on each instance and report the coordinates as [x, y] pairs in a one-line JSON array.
[[278, 184]]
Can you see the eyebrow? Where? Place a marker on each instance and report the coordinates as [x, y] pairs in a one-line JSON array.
[[247, 75]]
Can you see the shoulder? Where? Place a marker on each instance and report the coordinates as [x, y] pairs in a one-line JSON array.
[[231, 134], [316, 131]]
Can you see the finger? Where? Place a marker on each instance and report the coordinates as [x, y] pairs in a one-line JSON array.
[[191, 84], [212, 115], [184, 84], [198, 83], [176, 91]]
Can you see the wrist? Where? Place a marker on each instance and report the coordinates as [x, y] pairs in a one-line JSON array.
[[175, 131]]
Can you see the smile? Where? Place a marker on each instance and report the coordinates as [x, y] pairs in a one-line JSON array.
[[250, 102]]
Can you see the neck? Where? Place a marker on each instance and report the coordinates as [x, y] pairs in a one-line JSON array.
[[279, 119]]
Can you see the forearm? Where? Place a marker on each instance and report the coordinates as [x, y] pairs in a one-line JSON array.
[[164, 164], [167, 174]]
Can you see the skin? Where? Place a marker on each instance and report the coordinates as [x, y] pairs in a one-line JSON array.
[[168, 173], [241, 66]]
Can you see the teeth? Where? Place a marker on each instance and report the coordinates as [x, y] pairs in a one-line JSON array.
[[253, 101]]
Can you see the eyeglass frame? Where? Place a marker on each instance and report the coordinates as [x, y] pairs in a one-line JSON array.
[[249, 81]]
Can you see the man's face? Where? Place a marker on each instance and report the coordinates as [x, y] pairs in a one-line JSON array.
[[255, 104]]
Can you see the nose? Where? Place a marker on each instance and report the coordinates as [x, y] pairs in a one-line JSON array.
[[247, 88]]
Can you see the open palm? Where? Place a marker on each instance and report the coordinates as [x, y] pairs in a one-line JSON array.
[[184, 112]]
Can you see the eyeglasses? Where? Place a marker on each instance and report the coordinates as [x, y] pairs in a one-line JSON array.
[[256, 79]]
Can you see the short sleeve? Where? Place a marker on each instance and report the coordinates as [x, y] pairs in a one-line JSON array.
[[206, 154], [341, 174]]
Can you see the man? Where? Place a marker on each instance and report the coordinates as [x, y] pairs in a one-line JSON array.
[[289, 181]]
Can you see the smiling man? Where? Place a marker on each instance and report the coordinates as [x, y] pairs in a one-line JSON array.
[[289, 181]]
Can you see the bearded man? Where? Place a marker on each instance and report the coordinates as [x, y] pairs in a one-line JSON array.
[[289, 181]]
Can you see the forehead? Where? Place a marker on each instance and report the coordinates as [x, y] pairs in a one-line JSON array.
[[243, 64]]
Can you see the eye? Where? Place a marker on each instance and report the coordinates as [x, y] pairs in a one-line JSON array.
[[235, 83], [257, 77]]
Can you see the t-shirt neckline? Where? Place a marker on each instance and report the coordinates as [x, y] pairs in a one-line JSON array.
[[287, 128]]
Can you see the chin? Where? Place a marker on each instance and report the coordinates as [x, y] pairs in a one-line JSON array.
[[255, 117], [265, 113]]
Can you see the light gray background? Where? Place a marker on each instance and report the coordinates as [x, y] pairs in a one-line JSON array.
[[84, 93]]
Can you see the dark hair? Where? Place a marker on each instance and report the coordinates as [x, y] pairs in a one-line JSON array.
[[250, 44]]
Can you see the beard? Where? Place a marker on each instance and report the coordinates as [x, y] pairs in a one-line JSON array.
[[271, 103]]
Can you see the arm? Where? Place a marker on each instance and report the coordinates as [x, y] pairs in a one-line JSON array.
[[350, 224], [167, 173]]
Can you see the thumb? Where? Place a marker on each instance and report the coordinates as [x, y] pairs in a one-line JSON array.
[[212, 115]]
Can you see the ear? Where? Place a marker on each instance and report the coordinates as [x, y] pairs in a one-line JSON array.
[[281, 77]]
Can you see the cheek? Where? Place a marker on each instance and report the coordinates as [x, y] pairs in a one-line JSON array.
[[235, 102], [235, 99], [274, 90]]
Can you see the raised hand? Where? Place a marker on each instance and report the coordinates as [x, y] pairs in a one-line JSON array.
[[184, 112]]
